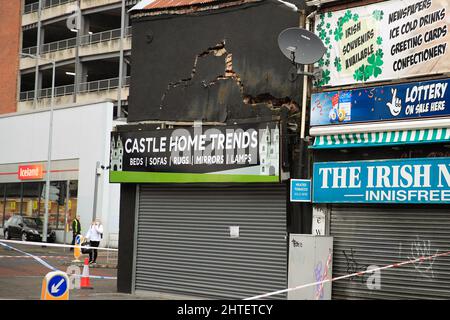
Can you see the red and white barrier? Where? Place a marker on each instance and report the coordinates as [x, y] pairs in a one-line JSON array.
[[394, 265]]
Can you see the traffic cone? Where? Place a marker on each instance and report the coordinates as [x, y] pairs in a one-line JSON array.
[[85, 283]]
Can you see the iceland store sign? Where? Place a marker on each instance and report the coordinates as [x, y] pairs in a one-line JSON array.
[[406, 101], [422, 180]]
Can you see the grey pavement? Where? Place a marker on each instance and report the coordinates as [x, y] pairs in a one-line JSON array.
[[21, 277]]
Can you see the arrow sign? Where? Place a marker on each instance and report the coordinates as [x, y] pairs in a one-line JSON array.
[[55, 287]]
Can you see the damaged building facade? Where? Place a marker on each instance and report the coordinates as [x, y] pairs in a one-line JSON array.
[[205, 159]]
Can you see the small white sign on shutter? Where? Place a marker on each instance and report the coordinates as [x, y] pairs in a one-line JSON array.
[[234, 232]]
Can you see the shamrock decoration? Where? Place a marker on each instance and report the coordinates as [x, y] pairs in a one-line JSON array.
[[379, 41], [326, 76], [330, 32], [359, 73], [338, 33], [375, 62], [321, 62], [348, 15], [364, 72], [380, 53], [337, 64], [325, 79], [378, 15]]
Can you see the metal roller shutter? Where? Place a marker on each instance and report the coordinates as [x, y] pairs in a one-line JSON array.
[[384, 235], [184, 244]]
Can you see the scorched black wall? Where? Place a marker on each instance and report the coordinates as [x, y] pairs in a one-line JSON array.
[[213, 66]]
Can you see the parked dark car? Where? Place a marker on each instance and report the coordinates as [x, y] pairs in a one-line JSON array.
[[27, 229]]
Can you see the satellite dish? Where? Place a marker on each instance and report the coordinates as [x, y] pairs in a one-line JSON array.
[[301, 46]]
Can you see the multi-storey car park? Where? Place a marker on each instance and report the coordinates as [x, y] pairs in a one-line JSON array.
[[89, 41]]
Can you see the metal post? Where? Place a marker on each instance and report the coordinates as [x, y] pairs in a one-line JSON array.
[[305, 85], [97, 174], [122, 34], [305, 208], [49, 155], [66, 208]]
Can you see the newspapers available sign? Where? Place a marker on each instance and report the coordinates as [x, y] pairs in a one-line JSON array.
[[383, 41], [422, 180], [244, 153]]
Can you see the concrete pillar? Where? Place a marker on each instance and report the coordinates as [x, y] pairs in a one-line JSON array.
[[38, 82], [42, 42], [38, 52], [83, 76], [80, 69], [85, 24], [127, 19], [78, 77], [78, 65]]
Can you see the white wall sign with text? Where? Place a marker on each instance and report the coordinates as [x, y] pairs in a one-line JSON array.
[[386, 40]]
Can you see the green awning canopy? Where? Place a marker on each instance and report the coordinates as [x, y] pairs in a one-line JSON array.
[[374, 139]]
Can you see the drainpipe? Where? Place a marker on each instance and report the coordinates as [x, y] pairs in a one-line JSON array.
[[305, 83], [305, 208], [121, 52], [303, 172]]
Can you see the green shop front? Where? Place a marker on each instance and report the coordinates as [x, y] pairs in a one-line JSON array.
[[203, 210]]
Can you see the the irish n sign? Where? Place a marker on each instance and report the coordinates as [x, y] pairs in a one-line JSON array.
[[423, 180]]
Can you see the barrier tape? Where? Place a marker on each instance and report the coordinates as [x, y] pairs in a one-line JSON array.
[[394, 265], [46, 244], [45, 264], [44, 257], [325, 275]]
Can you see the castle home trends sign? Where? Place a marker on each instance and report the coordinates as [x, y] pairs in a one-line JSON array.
[[244, 153]]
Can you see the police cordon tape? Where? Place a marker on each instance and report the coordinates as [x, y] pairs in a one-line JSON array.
[[27, 257], [45, 264], [46, 244], [394, 265]]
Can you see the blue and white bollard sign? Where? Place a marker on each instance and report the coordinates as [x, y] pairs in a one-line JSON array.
[[300, 190], [55, 286]]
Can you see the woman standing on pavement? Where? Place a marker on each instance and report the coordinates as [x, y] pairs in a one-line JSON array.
[[95, 235]]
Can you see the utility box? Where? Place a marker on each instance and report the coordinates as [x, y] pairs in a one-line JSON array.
[[310, 261]]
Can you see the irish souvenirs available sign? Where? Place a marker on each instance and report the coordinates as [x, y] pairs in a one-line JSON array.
[[244, 153], [422, 180], [387, 40]]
